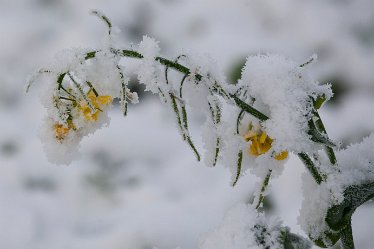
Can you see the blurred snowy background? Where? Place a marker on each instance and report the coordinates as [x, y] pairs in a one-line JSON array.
[[137, 185]]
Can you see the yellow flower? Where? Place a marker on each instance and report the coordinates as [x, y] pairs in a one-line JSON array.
[[97, 102], [281, 156], [261, 143], [61, 131]]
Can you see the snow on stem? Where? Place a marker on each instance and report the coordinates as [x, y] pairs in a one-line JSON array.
[[316, 128]]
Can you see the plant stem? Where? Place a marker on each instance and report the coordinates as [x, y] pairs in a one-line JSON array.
[[265, 183], [311, 167], [185, 70], [219, 90], [346, 237], [321, 128], [238, 167], [244, 106]]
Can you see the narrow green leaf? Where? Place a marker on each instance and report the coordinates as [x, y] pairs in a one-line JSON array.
[[238, 167], [103, 18], [265, 183], [240, 116], [249, 109], [311, 167], [317, 137], [216, 151], [176, 111], [319, 101], [321, 128]]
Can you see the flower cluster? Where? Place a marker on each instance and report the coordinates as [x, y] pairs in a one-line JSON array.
[[83, 89], [98, 102], [89, 108]]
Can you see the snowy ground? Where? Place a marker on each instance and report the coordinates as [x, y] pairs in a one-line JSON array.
[[137, 185]]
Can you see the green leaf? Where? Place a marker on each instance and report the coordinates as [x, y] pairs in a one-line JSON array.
[[238, 167], [319, 101], [339, 216], [305, 158], [328, 239], [295, 241], [318, 137], [254, 112]]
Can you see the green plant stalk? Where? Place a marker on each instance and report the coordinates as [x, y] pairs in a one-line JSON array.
[[244, 106], [92, 88], [216, 117], [238, 167], [123, 97], [317, 136], [239, 118], [190, 143], [183, 127], [321, 127], [218, 89], [176, 111], [186, 71], [188, 138], [218, 141], [311, 167], [84, 96], [339, 216], [181, 86], [346, 237], [265, 183]]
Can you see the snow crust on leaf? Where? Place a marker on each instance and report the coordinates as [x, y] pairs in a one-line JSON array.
[[355, 167]]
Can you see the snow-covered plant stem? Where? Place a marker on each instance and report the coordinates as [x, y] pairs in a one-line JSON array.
[[317, 129], [347, 238], [253, 125]]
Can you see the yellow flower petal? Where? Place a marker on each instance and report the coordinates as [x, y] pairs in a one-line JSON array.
[[254, 148], [266, 145], [281, 156], [95, 116], [97, 102], [263, 137], [249, 136], [105, 99], [261, 142], [61, 131]]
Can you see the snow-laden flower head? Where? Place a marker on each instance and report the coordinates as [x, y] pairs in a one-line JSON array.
[[79, 113], [74, 110], [81, 88], [285, 92], [274, 113]]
